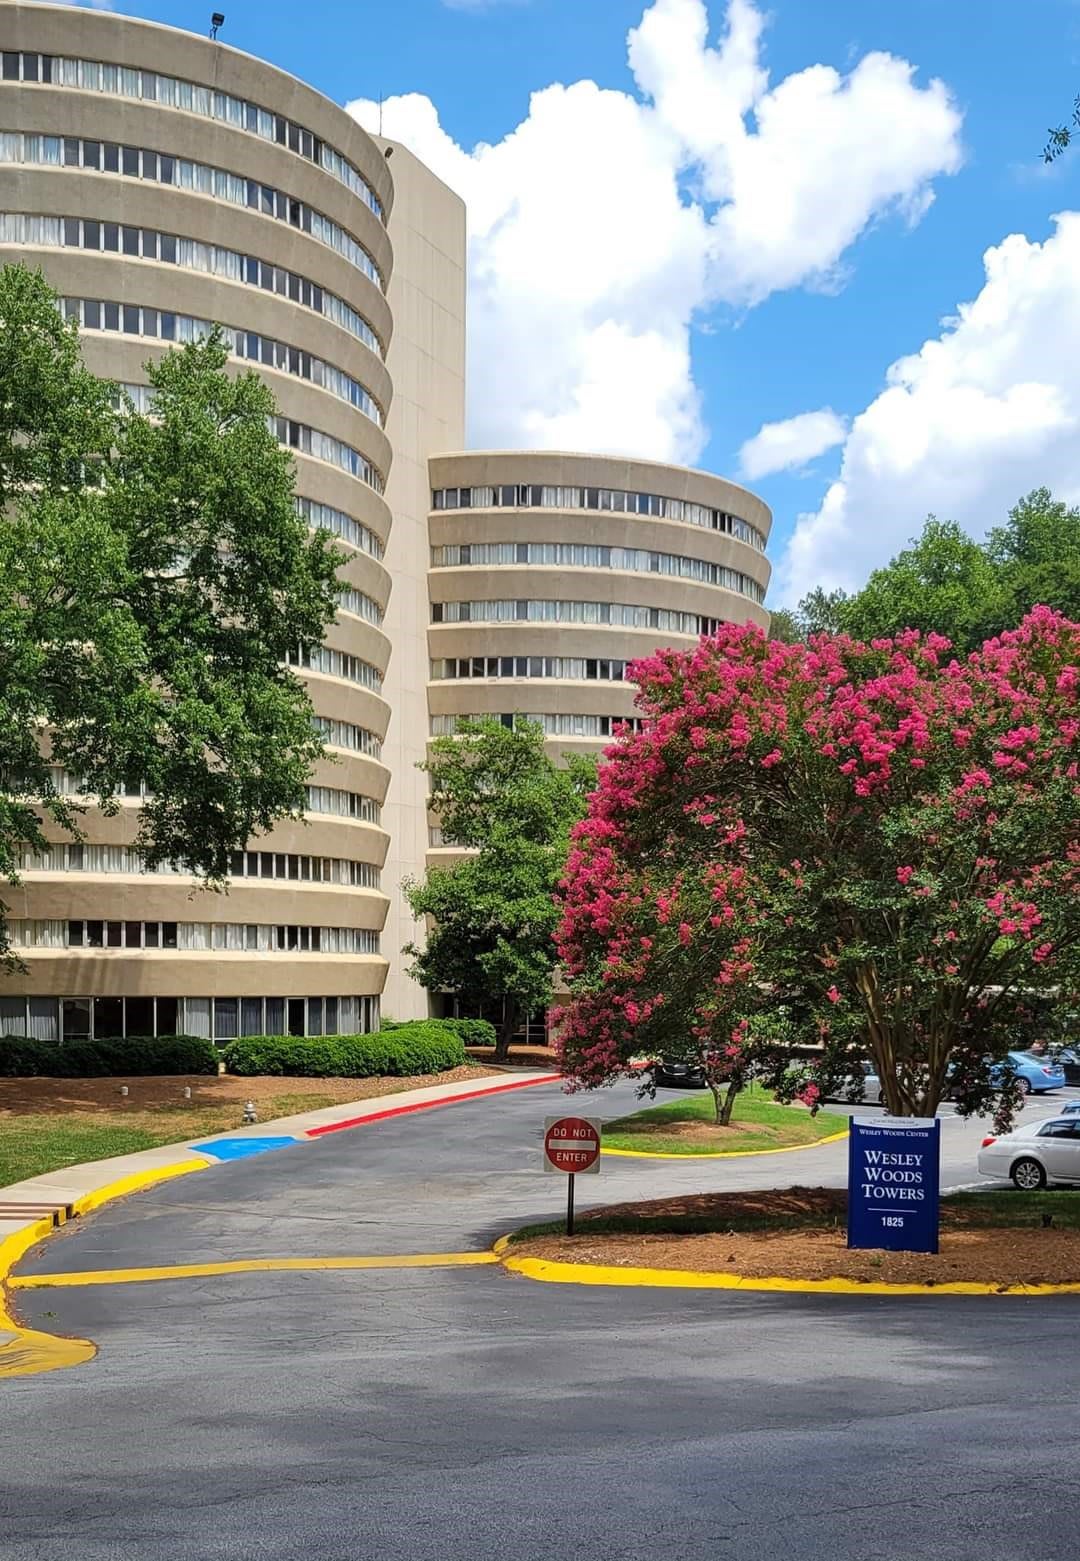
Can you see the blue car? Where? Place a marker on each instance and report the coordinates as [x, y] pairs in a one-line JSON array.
[[1034, 1073]]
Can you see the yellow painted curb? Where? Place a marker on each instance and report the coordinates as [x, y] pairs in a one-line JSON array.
[[25, 1352], [255, 1265], [725, 1154], [690, 1279]]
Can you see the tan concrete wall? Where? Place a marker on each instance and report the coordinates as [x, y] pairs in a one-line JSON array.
[[427, 365], [77, 192]]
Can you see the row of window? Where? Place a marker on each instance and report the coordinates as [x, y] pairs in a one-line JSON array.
[[360, 606], [343, 734], [171, 92], [29, 229], [297, 436], [553, 725], [618, 501], [62, 1019], [324, 447], [593, 668], [193, 936], [338, 664], [622, 613], [587, 555], [96, 314], [320, 800], [343, 804], [78, 857], [138, 162], [323, 517]]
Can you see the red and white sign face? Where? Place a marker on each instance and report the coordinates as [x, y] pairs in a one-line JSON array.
[[571, 1144]]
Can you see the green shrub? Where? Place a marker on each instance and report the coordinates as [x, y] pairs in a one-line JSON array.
[[420, 1046], [21, 1057], [473, 1032]]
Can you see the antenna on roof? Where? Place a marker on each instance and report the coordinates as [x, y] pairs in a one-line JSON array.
[[217, 20]]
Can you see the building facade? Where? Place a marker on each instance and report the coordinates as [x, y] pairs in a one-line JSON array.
[[427, 364], [161, 182], [551, 573], [165, 183]]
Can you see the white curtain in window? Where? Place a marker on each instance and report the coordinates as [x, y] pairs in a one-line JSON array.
[[195, 1016], [44, 1022]]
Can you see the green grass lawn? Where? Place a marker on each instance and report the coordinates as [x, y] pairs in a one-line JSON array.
[[764, 1125], [32, 1144]]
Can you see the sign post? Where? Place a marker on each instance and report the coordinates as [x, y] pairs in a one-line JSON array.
[[571, 1145], [894, 1167]]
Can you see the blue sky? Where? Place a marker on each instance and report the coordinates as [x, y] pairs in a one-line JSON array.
[[709, 308]]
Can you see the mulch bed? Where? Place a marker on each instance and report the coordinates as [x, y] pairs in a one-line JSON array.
[[61, 1097], [996, 1255]]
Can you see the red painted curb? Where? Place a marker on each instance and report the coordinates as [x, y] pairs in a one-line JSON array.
[[427, 1105]]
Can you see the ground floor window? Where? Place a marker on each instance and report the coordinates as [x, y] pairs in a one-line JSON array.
[[532, 1030], [221, 1019]]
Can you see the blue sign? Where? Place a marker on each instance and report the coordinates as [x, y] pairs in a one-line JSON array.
[[893, 1179]]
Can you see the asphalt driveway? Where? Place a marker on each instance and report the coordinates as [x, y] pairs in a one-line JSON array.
[[431, 1415]]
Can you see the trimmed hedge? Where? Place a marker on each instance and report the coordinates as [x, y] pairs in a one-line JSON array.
[[473, 1032], [423, 1046], [144, 1055]]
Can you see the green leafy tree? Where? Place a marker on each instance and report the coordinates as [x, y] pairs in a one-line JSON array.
[[873, 849], [821, 612], [1059, 139], [492, 915], [944, 583], [154, 573], [1037, 557], [785, 625]]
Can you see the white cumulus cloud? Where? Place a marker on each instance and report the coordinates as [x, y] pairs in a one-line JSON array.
[[977, 417], [607, 222], [777, 447]]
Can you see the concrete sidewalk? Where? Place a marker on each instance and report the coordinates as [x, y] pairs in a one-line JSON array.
[[60, 1195]]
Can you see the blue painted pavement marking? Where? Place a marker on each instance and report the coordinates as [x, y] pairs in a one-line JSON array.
[[240, 1148]]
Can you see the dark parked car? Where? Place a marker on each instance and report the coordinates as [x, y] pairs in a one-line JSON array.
[[668, 1074]]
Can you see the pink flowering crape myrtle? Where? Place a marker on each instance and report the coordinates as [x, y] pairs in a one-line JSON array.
[[862, 852]]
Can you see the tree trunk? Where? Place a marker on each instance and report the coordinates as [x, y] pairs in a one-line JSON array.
[[505, 1033], [724, 1101], [729, 1104]]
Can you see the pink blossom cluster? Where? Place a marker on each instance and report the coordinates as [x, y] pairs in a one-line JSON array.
[[770, 786]]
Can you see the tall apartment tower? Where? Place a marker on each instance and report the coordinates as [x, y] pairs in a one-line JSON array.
[[427, 364], [165, 183], [161, 182]]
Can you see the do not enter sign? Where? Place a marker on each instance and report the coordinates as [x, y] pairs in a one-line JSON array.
[[571, 1145]]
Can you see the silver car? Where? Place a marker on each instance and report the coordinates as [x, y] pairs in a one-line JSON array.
[[871, 1086], [1039, 1152]]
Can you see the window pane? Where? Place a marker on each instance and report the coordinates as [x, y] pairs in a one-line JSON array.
[[275, 1016], [296, 1015], [225, 1018], [251, 1016], [76, 1016], [166, 1016], [12, 1016], [108, 1017], [139, 1016]]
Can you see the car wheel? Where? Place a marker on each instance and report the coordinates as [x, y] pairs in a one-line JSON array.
[[1028, 1176], [1023, 1086]]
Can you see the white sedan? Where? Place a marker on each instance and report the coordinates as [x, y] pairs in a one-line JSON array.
[[1040, 1152]]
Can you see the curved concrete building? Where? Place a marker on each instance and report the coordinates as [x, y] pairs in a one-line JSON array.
[[162, 181], [551, 572]]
